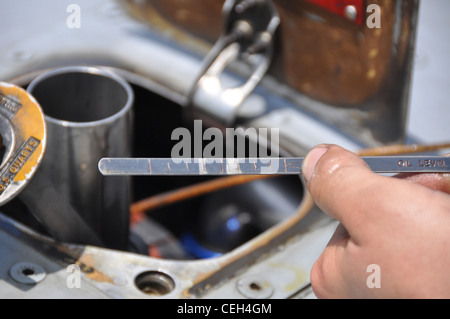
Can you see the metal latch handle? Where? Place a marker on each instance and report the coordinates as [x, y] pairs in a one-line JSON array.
[[248, 34]]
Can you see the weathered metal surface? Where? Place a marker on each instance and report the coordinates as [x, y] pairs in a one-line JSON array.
[[322, 56], [105, 273], [319, 54]]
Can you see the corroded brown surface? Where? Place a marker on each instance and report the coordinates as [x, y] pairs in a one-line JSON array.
[[318, 53], [329, 58]]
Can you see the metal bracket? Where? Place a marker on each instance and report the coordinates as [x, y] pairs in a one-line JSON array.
[[248, 33]]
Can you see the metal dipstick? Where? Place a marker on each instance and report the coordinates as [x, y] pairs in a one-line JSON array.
[[259, 166]]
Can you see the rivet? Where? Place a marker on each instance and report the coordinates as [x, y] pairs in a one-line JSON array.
[[351, 13]]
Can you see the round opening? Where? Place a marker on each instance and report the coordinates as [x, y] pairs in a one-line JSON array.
[[28, 272], [255, 286], [80, 94], [155, 283]]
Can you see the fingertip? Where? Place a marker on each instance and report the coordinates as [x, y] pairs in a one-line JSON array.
[[311, 160], [335, 177], [326, 159]]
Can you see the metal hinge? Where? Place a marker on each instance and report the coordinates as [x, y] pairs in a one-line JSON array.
[[248, 37]]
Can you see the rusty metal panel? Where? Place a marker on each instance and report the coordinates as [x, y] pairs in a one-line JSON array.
[[345, 70]]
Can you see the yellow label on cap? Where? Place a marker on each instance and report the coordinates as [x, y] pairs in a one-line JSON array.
[[27, 120]]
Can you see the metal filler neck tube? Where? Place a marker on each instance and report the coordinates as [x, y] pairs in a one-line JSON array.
[[258, 166]]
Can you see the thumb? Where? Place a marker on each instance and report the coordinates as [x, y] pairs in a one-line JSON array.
[[345, 188]]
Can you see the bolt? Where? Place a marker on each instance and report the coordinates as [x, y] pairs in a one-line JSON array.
[[351, 13], [27, 273]]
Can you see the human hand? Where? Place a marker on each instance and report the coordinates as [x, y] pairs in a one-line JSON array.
[[401, 224]]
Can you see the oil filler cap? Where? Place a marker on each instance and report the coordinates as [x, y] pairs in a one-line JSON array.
[[23, 136]]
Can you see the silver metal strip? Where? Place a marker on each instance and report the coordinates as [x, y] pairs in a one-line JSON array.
[[258, 166]]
